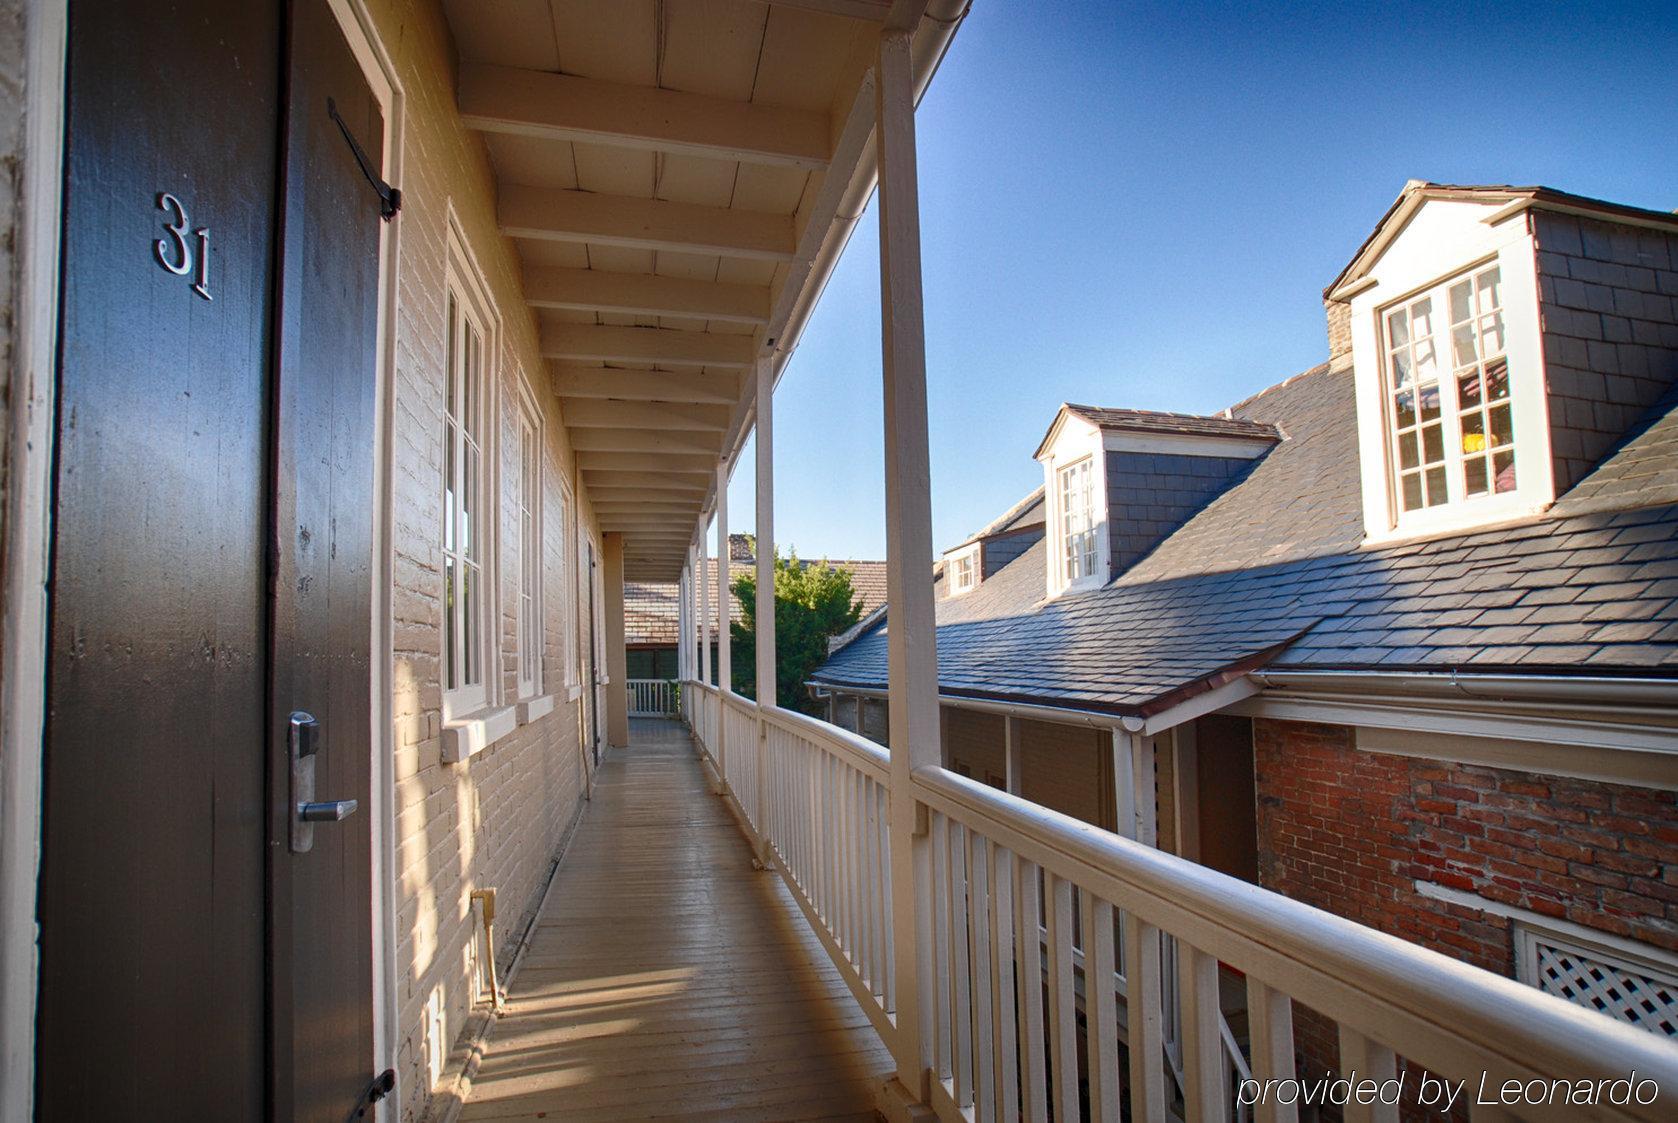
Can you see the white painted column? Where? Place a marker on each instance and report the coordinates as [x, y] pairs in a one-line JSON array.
[[1013, 756], [723, 656], [912, 638], [704, 616], [765, 533], [682, 619]]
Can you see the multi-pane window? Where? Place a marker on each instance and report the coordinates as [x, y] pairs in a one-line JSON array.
[[530, 630], [568, 535], [1077, 519], [1449, 413], [463, 511], [964, 571]]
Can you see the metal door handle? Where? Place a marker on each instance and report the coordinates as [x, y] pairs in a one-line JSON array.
[[333, 811]]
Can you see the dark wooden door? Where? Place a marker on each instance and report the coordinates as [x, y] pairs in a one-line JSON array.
[[212, 570], [152, 889], [327, 324]]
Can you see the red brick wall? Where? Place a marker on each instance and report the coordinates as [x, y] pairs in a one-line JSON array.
[[1351, 832]]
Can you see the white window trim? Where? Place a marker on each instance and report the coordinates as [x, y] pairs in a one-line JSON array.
[[1509, 244], [568, 583], [1071, 441], [470, 708], [529, 555], [951, 560]]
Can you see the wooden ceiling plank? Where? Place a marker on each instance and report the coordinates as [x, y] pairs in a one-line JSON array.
[[874, 11], [703, 388], [607, 344], [596, 478], [608, 461], [556, 214], [565, 107], [643, 294]]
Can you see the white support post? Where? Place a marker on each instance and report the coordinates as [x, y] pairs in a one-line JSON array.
[[704, 617], [724, 673], [912, 645], [765, 653], [1133, 786], [1013, 757]]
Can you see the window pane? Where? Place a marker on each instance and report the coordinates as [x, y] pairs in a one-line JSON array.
[[1474, 475], [1402, 373], [1404, 409], [451, 676], [1462, 345], [1502, 433], [1435, 486], [450, 437], [469, 504], [1474, 432], [1490, 286], [1460, 310], [1503, 469], [1497, 379], [1412, 491], [1468, 388], [453, 355], [1398, 328], [1429, 395], [1433, 443], [1407, 455], [469, 629]]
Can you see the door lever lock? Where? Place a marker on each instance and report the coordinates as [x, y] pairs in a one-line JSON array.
[[303, 744]]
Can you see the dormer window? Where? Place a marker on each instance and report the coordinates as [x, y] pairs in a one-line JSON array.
[[964, 571], [1079, 519], [1451, 431]]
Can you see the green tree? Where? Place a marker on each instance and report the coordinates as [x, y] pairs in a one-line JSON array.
[[813, 601]]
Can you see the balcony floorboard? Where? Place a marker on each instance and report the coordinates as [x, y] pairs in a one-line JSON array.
[[668, 979]]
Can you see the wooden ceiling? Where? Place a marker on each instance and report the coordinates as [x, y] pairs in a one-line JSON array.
[[670, 172]]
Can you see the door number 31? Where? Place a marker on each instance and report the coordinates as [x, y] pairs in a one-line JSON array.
[[175, 254]]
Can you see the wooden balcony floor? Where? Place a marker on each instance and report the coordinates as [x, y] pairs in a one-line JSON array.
[[667, 978]]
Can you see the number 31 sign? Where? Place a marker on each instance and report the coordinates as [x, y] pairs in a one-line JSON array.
[[175, 254]]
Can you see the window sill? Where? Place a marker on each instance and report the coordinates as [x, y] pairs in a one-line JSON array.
[[466, 737], [532, 708], [573, 692]]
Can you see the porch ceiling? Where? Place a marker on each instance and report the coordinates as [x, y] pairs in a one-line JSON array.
[[677, 176]]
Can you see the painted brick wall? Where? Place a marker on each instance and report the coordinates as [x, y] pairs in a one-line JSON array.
[[1608, 302], [498, 819], [1151, 494], [1351, 832], [1338, 313], [12, 78]]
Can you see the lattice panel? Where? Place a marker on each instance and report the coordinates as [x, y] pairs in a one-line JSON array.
[[1633, 994]]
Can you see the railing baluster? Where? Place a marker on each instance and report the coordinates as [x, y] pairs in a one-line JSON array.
[[984, 972], [961, 1002], [1063, 1028], [1270, 1021], [1370, 1060], [1205, 1097], [1101, 1011], [1028, 980], [938, 830], [1006, 1019], [1143, 1025], [882, 866]]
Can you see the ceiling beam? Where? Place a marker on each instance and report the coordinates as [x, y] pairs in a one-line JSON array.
[[595, 413], [570, 380], [602, 343], [643, 294], [651, 444], [555, 214], [538, 103], [596, 478], [608, 461], [637, 495]]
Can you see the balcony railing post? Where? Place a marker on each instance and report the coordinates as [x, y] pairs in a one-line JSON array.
[[704, 612], [912, 640], [724, 660], [765, 608]]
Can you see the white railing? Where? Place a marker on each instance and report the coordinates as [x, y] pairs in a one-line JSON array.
[[652, 697], [1028, 905]]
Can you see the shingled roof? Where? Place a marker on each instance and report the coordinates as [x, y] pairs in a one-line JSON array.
[[1273, 573], [650, 611]]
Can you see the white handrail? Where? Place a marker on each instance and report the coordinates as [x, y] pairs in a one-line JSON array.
[[651, 697], [1453, 1019]]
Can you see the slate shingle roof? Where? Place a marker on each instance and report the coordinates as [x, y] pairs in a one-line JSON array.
[[1273, 573], [1156, 421]]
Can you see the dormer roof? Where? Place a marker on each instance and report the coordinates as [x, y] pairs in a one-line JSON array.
[[1110, 420], [1418, 192]]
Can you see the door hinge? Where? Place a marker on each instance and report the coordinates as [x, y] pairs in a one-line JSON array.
[[390, 198]]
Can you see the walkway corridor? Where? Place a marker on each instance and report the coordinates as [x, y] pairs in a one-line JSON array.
[[667, 978]]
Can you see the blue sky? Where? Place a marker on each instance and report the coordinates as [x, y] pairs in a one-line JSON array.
[[1139, 205]]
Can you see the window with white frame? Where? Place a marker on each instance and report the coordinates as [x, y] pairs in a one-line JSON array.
[[466, 519], [1449, 413], [964, 571], [1078, 520], [568, 551], [530, 632], [1634, 984]]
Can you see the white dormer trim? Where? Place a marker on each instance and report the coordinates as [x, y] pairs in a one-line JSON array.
[[1441, 239], [1070, 440], [1186, 444]]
